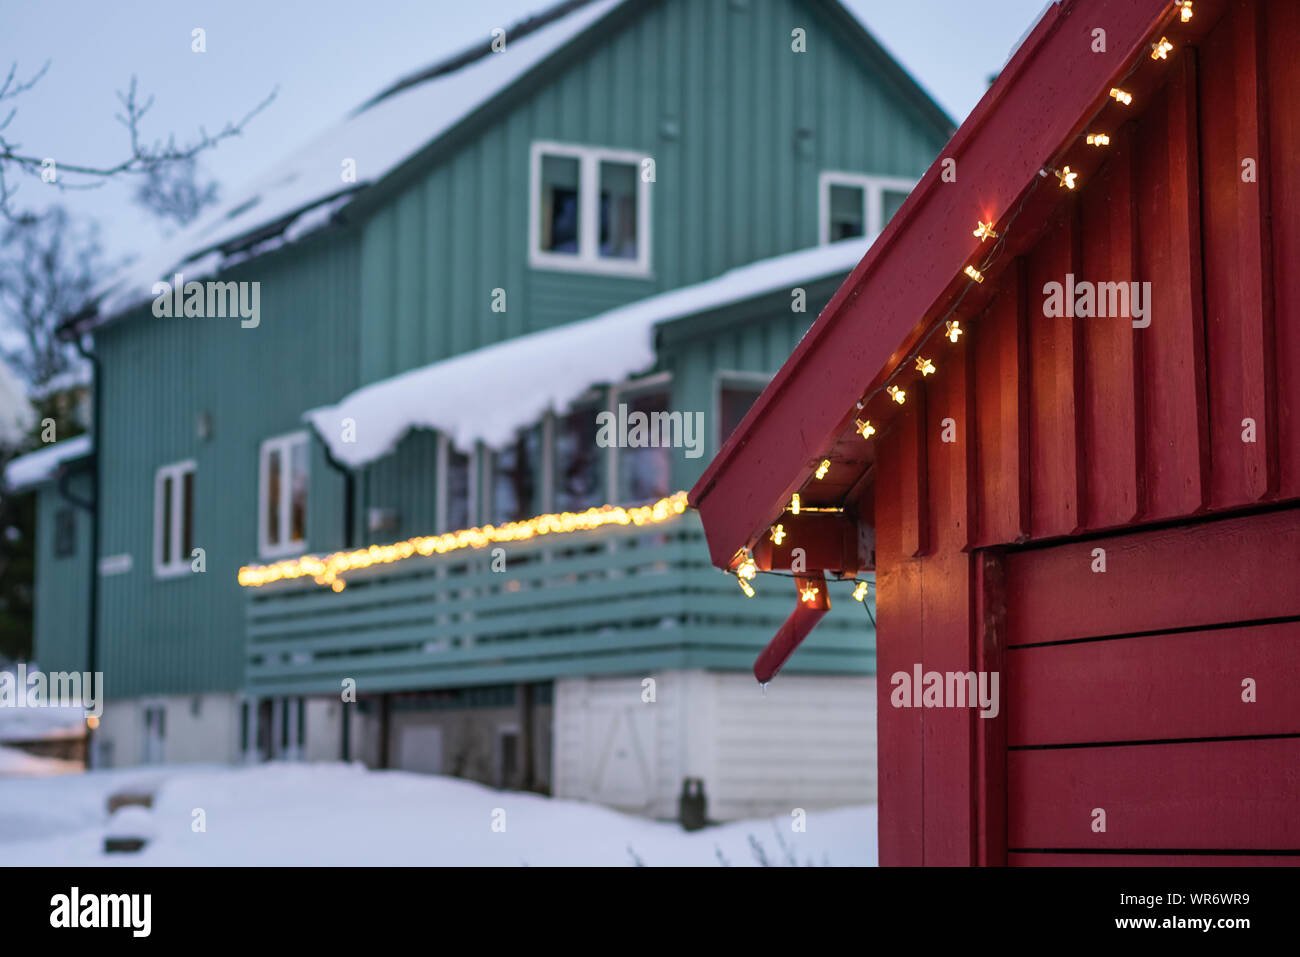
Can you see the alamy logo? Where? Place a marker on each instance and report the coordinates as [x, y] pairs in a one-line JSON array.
[[950, 689], [102, 910], [58, 689], [642, 430], [208, 300], [1098, 300]]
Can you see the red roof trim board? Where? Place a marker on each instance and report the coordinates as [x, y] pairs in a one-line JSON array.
[[900, 293]]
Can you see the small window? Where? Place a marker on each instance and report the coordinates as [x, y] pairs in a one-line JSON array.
[[590, 210], [644, 471], [515, 470], [456, 495], [284, 483], [65, 533], [579, 475], [735, 396], [853, 205], [173, 519]]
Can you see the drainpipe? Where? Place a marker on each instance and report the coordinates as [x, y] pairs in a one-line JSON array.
[[70, 331]]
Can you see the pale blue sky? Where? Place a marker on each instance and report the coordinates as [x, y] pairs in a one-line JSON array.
[[326, 57]]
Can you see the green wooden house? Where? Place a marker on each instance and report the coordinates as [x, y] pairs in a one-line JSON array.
[[612, 205]]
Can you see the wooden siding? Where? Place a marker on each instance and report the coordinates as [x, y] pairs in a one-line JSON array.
[[186, 634], [60, 626], [739, 127], [1090, 426]]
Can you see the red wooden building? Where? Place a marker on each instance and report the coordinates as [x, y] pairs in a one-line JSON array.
[[1102, 509]]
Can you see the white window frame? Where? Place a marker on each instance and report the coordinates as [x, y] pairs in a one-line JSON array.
[[873, 191], [284, 444], [616, 394], [588, 258], [180, 564], [440, 506], [721, 380]]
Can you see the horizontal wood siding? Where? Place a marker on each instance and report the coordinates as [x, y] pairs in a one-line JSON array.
[[60, 615]]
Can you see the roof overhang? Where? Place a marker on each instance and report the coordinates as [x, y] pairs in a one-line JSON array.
[[1031, 120]]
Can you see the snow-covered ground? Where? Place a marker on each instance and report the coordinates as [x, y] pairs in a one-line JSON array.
[[335, 814]]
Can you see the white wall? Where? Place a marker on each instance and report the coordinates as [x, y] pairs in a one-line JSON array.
[[201, 728], [809, 742]]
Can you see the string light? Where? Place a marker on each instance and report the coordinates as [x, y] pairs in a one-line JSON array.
[[860, 593], [954, 330], [823, 468], [865, 429], [924, 366], [1161, 50], [1066, 177], [747, 569], [1098, 139], [1121, 96], [778, 534], [810, 594], [1185, 9], [985, 231], [897, 394], [330, 568], [794, 504], [746, 587], [974, 273]]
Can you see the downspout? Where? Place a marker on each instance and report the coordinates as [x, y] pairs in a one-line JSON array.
[[70, 330]]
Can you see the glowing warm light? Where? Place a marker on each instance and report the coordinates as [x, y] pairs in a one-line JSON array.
[[1098, 139], [746, 569], [1161, 49], [92, 722], [1121, 96], [954, 330], [865, 429], [1185, 9], [794, 504], [810, 594], [338, 584], [330, 568], [778, 534], [924, 366], [860, 593], [746, 587], [974, 273], [1066, 177], [985, 231], [823, 468], [897, 394]]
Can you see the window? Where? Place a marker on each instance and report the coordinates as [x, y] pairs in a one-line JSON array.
[[456, 488], [65, 533], [579, 472], [736, 393], [173, 519], [590, 210], [644, 472], [282, 498], [853, 205], [515, 470]]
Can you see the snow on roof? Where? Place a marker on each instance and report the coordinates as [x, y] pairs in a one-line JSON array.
[[489, 394], [379, 137], [39, 467]]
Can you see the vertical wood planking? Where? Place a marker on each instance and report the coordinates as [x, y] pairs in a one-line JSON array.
[[1001, 488], [1238, 285], [1278, 168], [913, 495], [1110, 401], [1173, 346], [991, 733], [900, 775], [1053, 384]]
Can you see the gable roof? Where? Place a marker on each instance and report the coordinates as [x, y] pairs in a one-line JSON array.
[[1032, 115], [302, 193]]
